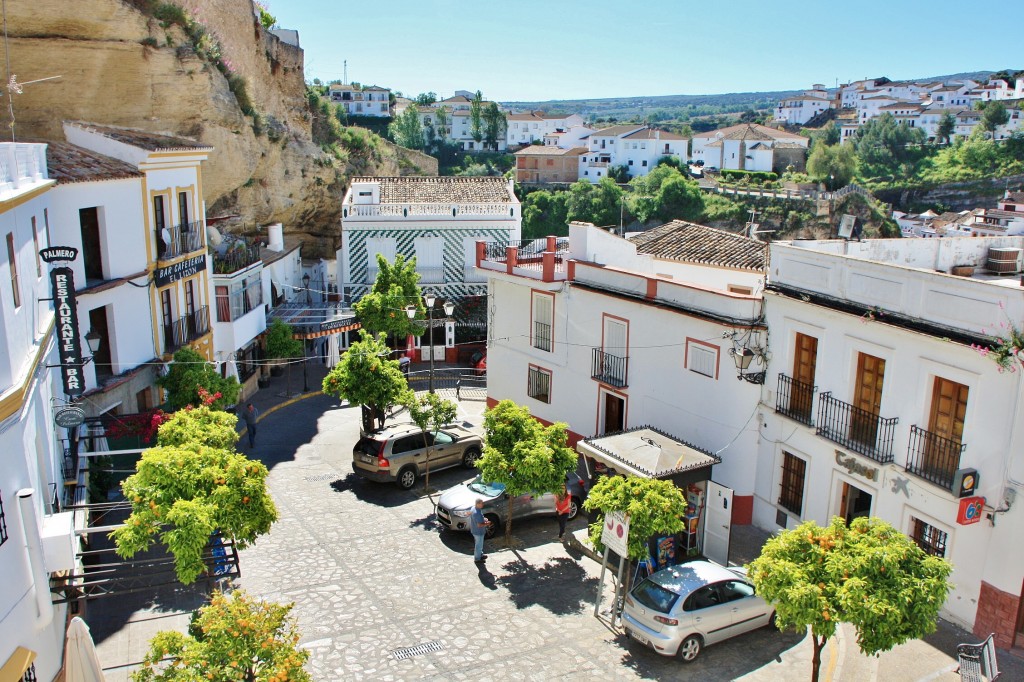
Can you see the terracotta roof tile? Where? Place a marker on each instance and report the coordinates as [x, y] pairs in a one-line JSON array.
[[441, 189], [549, 150], [689, 242], [152, 142], [768, 133], [653, 134], [68, 163]]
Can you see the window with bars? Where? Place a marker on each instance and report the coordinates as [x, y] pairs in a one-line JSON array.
[[928, 537], [543, 320], [3, 521], [30, 674], [538, 384], [791, 495]]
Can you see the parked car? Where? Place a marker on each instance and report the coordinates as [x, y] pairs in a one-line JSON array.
[[680, 610], [397, 454], [456, 504]]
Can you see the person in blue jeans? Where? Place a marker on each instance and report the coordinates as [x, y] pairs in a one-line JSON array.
[[478, 527]]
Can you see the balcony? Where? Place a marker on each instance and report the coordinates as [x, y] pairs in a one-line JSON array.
[[21, 166], [933, 457], [543, 259], [542, 336], [186, 329], [610, 369], [236, 258], [426, 210], [174, 242], [795, 399], [855, 429]]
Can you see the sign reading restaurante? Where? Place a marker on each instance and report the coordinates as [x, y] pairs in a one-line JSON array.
[[69, 345]]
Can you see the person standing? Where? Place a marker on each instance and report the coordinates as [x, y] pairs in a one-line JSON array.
[[249, 415], [563, 505], [478, 527]]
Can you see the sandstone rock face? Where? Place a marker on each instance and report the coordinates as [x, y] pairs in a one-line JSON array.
[[119, 66]]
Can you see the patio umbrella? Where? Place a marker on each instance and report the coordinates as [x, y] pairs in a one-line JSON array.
[[333, 356], [80, 661]]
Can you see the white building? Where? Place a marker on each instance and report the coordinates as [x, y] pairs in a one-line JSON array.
[[608, 334], [637, 147], [569, 138], [527, 128], [876, 404], [752, 147], [458, 122], [361, 100], [36, 540], [437, 220], [800, 109]]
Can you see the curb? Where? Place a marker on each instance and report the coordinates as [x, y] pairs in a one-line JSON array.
[[275, 408]]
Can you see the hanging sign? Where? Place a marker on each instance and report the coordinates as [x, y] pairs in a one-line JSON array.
[[69, 343], [971, 510], [180, 270], [69, 417], [615, 533], [58, 253]]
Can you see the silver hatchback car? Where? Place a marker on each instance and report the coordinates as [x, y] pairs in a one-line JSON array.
[[680, 610]]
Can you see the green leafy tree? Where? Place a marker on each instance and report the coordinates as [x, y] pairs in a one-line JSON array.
[[383, 309], [545, 213], [442, 119], [993, 115], [946, 127], [869, 575], [599, 204], [832, 164], [655, 508], [886, 146], [190, 372], [281, 343], [425, 99], [619, 174], [664, 193], [267, 20], [827, 134], [406, 130], [495, 124], [234, 637], [367, 376], [523, 455], [476, 117], [430, 412], [191, 485]]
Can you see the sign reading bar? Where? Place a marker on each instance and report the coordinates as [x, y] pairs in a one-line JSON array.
[[336, 324], [69, 343], [181, 270], [56, 253], [69, 417]]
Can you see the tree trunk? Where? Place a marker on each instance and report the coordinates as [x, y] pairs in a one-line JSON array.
[[819, 644], [367, 415], [426, 464], [508, 523]]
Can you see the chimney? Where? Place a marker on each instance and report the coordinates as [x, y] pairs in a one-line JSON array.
[[275, 237]]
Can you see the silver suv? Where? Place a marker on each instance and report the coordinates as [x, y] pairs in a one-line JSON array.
[[398, 454]]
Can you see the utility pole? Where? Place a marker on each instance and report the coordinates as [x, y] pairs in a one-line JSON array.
[[344, 76]]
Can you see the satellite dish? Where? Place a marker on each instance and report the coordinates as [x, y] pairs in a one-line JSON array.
[[213, 235], [846, 225]]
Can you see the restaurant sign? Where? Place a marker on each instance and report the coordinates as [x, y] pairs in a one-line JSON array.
[[180, 270], [69, 343], [854, 466]]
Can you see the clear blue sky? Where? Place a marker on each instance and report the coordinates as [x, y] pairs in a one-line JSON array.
[[557, 49]]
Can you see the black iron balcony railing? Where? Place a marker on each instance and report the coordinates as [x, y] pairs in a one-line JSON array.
[[795, 399], [610, 369], [186, 329], [542, 336], [198, 322], [856, 429], [178, 240], [933, 457], [235, 259]]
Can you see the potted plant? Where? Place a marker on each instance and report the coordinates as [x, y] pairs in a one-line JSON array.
[[281, 345]]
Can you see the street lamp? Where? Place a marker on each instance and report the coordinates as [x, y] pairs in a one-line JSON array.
[[430, 299], [305, 285], [93, 339]]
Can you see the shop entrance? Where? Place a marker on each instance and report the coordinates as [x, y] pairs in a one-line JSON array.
[[613, 413], [854, 503]]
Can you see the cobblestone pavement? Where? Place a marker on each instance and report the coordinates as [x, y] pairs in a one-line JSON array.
[[371, 572]]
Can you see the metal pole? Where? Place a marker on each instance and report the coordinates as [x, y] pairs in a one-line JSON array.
[[618, 586], [600, 583], [305, 379], [430, 316]]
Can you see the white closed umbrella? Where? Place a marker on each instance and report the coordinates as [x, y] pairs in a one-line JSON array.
[[333, 356], [81, 664]]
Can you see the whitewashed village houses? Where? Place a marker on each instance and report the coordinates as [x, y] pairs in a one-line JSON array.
[[637, 147], [359, 100], [751, 147], [800, 109], [527, 128]]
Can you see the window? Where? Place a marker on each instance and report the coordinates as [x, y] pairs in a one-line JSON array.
[[737, 289], [928, 537], [543, 321], [35, 243], [538, 384], [703, 598], [736, 589], [13, 264], [644, 163], [223, 304], [408, 444], [183, 208], [702, 358], [443, 438], [631, 162], [792, 494], [159, 218], [144, 400], [46, 225], [244, 297], [3, 522]]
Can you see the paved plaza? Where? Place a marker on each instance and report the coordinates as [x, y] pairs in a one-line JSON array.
[[371, 573]]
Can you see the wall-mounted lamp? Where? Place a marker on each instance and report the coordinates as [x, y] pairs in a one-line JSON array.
[[744, 355], [93, 339]]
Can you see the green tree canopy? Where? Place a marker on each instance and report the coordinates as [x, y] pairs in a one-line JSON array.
[[425, 99], [828, 134], [869, 575], [886, 146], [476, 112], [655, 508], [406, 130], [834, 165], [993, 115], [281, 342], [234, 637], [545, 213], [523, 454], [396, 287], [598, 204], [188, 487], [188, 373], [442, 119], [947, 126], [430, 412], [367, 376], [495, 125], [666, 194]]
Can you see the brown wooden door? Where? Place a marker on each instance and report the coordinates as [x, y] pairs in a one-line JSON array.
[[805, 362], [613, 413], [867, 399], [945, 426]]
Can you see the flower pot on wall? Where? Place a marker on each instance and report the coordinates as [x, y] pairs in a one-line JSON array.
[[962, 270]]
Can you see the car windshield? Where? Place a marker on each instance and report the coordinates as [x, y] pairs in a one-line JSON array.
[[654, 596], [489, 489]]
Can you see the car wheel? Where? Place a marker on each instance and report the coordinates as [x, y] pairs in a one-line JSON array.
[[574, 508], [690, 649], [406, 478], [492, 529], [470, 457], [771, 621]]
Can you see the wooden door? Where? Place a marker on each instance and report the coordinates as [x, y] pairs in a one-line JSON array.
[[945, 425], [867, 399], [614, 419], [805, 362], [168, 319]]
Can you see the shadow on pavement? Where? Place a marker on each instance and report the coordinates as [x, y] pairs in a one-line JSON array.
[[427, 523], [561, 585], [380, 494], [486, 577]]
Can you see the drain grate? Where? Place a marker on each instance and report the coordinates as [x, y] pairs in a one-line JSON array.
[[418, 650], [321, 477]]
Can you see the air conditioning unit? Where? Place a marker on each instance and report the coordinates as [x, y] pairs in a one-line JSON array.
[[1005, 260]]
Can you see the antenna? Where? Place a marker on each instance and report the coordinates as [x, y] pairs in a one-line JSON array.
[[344, 77]]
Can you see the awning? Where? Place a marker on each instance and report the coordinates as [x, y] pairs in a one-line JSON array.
[[646, 452], [314, 320]]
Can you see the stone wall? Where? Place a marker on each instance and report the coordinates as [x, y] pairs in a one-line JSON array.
[[956, 196]]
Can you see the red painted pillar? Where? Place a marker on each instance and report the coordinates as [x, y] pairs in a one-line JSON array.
[[548, 266], [511, 258], [481, 252]]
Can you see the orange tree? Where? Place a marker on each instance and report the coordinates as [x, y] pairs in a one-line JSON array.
[[234, 637], [869, 575]]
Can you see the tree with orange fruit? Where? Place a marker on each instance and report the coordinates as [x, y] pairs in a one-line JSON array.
[[234, 637], [867, 574]]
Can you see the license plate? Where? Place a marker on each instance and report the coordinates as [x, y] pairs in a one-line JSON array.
[[638, 637], [368, 459]]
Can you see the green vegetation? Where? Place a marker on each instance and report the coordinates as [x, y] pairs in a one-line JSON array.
[[431, 413], [833, 164], [751, 177], [190, 374], [396, 288], [267, 20], [869, 575], [654, 506], [367, 377]]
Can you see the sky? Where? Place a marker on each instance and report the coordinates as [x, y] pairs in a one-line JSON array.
[[530, 50]]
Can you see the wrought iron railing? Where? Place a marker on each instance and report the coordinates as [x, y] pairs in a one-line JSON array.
[[237, 258], [610, 369], [542, 336], [177, 240], [186, 329], [856, 429], [933, 457], [795, 399], [199, 322]]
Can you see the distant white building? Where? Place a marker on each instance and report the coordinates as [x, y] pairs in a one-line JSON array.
[[637, 147], [535, 125], [752, 147], [458, 122], [800, 109], [359, 100]]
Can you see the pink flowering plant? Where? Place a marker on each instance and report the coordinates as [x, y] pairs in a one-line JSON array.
[[1007, 350]]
